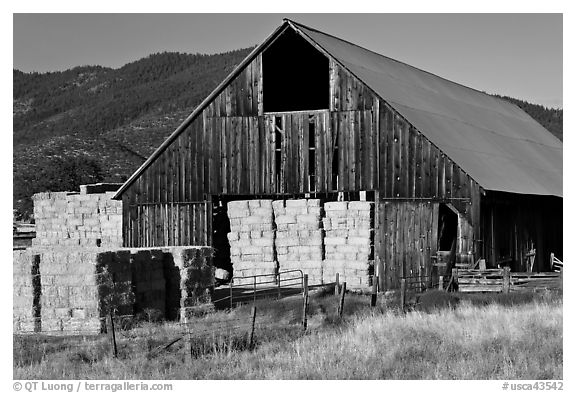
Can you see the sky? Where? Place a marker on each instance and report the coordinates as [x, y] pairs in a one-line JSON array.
[[518, 55]]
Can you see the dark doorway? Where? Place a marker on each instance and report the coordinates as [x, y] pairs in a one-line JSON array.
[[447, 227], [220, 230]]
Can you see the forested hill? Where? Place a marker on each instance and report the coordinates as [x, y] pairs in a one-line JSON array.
[[91, 124], [94, 123]]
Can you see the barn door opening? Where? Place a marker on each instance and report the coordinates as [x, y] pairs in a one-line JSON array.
[[447, 237], [447, 227], [220, 230]]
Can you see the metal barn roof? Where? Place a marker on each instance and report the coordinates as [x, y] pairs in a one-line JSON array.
[[494, 141]]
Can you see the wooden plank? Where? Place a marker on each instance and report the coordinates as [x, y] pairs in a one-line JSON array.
[[208, 155], [353, 87], [232, 155], [244, 150], [353, 147], [409, 239], [424, 167], [411, 161], [371, 162], [434, 177], [215, 179], [448, 166], [297, 137], [383, 149], [255, 82], [224, 152], [303, 146], [331, 72], [404, 173], [334, 154], [344, 149], [249, 109], [418, 247], [251, 157], [287, 156], [260, 87], [442, 176], [426, 233], [337, 106], [359, 137], [397, 182], [479, 288], [319, 153]]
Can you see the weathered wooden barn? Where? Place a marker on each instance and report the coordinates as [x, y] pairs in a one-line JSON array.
[[307, 114]]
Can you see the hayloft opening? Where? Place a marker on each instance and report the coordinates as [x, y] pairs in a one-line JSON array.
[[295, 75]]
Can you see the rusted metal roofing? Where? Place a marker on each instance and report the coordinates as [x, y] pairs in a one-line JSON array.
[[494, 141]]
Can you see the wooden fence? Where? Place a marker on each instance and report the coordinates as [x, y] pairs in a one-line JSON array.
[[504, 281]]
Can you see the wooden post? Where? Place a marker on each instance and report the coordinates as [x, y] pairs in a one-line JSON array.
[[454, 279], [403, 294], [441, 283], [278, 283], [187, 343], [506, 279], [112, 335], [251, 340], [231, 286], [337, 286], [305, 303], [374, 291], [254, 289], [342, 295], [305, 313]]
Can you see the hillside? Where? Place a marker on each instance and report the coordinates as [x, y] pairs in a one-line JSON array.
[[109, 120], [95, 123]]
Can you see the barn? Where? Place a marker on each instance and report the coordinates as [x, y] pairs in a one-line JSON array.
[[448, 170]]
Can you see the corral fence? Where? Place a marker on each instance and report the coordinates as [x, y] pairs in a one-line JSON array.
[[262, 286], [478, 281], [504, 281]]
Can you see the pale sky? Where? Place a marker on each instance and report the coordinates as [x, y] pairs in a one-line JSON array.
[[518, 55]]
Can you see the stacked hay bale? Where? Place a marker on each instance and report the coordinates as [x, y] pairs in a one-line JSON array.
[[80, 288], [251, 240], [299, 237], [196, 279], [148, 282], [72, 219], [348, 242], [26, 292], [50, 210]]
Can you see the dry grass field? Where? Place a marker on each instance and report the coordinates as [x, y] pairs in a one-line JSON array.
[[515, 336]]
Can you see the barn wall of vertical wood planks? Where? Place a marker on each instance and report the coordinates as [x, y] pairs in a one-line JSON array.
[[233, 149]]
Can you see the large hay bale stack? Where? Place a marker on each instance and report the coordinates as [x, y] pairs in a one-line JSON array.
[[26, 292], [299, 237], [196, 279], [77, 219], [80, 288], [251, 240], [348, 240]]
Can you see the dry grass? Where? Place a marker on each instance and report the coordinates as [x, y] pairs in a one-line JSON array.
[[475, 337]]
